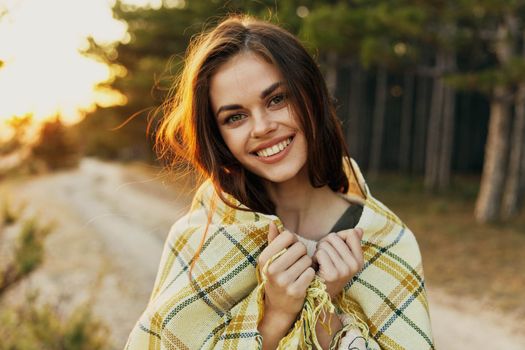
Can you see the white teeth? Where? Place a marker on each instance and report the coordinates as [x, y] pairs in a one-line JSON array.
[[270, 151]]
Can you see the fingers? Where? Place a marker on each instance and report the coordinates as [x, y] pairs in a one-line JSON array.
[[353, 241], [290, 257], [327, 269], [340, 256], [282, 241], [340, 246], [290, 275], [299, 287], [337, 261], [273, 232], [360, 232]]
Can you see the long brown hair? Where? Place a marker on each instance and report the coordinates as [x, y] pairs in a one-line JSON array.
[[189, 130]]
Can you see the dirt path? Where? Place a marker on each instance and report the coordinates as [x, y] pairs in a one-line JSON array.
[[107, 243], [108, 240], [460, 323]]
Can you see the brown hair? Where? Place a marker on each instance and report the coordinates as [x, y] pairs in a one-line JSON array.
[[189, 131]]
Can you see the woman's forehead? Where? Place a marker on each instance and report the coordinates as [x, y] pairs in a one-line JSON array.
[[245, 75]]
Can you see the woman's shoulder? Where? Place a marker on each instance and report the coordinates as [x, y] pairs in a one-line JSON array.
[[204, 193], [382, 226], [358, 190]]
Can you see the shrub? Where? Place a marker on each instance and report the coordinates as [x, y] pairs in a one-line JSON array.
[[56, 147], [40, 327], [29, 327]]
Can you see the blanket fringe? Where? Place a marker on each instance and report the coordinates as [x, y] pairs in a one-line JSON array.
[[346, 306], [317, 303]]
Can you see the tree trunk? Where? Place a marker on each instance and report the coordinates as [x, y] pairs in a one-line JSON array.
[[510, 196], [521, 184], [448, 128], [378, 121], [489, 201], [356, 100], [434, 126], [331, 72], [488, 204], [420, 129], [521, 104], [441, 126], [406, 123]]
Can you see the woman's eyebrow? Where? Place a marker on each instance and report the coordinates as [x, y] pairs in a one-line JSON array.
[[263, 95], [270, 89], [227, 108]]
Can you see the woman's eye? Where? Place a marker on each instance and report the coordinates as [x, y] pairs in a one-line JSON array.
[[234, 118], [277, 99]]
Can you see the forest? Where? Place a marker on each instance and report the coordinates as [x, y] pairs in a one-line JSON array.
[[423, 88], [431, 98]]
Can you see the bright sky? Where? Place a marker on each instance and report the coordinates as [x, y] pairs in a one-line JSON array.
[[43, 71]]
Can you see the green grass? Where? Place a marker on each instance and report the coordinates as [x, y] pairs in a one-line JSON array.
[[9, 214], [31, 326], [483, 261]]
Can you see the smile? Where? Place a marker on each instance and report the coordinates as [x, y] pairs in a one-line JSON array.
[[273, 150]]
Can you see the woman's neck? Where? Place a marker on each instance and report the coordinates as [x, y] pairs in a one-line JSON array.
[[308, 211]]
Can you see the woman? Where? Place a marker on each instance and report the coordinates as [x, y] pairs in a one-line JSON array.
[[283, 246]]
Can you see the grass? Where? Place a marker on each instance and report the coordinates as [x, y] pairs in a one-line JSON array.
[[9, 214], [465, 258]]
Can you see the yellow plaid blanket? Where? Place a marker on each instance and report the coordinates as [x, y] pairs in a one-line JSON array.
[[220, 305]]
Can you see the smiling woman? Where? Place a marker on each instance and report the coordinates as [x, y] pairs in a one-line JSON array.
[[44, 73], [284, 246], [255, 119]]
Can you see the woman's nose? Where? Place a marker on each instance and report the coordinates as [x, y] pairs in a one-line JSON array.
[[262, 125]]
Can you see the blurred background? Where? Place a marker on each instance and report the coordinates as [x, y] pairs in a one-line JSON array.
[[431, 95]]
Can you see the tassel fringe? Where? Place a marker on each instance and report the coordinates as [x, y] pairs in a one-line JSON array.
[[317, 304]]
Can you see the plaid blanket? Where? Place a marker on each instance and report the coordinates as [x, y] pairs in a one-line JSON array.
[[219, 304]]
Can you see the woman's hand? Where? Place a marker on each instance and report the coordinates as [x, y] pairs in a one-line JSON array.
[[340, 257], [288, 276]]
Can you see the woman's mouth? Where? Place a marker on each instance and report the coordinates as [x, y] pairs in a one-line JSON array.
[[275, 149]]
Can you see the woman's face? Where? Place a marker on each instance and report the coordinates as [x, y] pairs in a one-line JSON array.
[[249, 101]]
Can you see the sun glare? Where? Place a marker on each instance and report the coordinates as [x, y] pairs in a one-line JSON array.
[[43, 71]]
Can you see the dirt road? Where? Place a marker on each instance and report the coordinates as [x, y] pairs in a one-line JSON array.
[[110, 227]]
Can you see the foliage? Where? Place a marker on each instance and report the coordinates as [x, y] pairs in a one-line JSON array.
[[30, 246], [19, 126], [152, 58], [56, 147], [425, 52], [40, 327], [28, 251], [9, 214]]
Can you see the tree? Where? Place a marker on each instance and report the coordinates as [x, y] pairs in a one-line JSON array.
[[151, 59], [55, 146], [365, 36], [423, 52], [500, 26], [19, 126], [333, 29]]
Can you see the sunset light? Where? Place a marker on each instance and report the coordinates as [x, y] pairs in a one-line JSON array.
[[43, 71]]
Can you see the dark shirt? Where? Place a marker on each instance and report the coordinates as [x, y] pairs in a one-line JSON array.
[[349, 219]]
